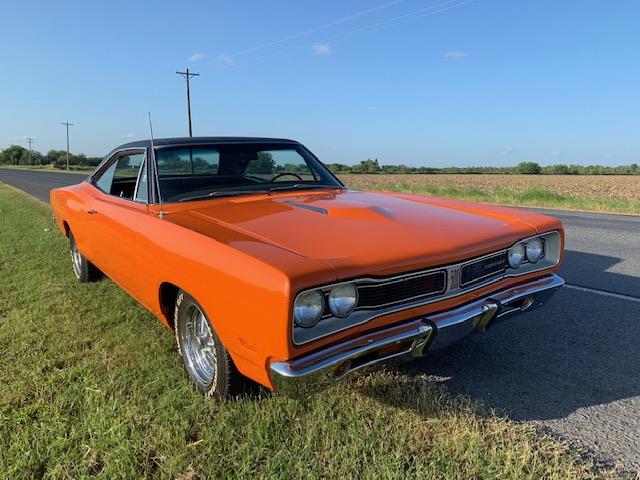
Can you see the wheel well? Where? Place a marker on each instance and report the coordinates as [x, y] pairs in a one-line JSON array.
[[168, 294], [66, 228]]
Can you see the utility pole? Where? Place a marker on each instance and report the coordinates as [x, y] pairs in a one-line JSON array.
[[187, 75], [67, 124], [29, 141]]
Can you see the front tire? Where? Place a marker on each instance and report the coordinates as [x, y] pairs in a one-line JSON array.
[[206, 361], [82, 268]]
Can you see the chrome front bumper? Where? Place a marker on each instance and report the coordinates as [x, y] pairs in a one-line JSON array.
[[316, 371]]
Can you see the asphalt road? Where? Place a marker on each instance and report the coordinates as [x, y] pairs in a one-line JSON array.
[[573, 366], [39, 183]]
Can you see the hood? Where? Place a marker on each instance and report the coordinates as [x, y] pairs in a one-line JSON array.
[[356, 232]]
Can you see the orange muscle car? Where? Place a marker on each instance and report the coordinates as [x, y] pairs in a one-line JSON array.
[[266, 266]]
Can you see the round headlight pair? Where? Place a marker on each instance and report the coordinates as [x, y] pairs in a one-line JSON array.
[[309, 306], [516, 255], [533, 251]]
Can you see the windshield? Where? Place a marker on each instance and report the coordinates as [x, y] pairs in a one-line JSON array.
[[191, 173]]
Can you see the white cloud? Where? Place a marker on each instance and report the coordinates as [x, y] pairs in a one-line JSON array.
[[456, 54], [224, 59], [196, 57], [555, 153], [506, 151], [321, 49], [128, 135]]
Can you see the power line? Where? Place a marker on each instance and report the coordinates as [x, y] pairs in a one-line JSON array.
[[311, 30], [29, 141], [67, 124], [408, 17], [187, 75], [374, 27]]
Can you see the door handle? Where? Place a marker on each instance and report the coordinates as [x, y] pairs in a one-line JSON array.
[[92, 212]]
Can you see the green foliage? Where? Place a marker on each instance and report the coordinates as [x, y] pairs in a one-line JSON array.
[[17, 155], [264, 164], [367, 166], [530, 168], [14, 155], [58, 158], [339, 168]]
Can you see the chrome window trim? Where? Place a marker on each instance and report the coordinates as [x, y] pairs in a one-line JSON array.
[[143, 166], [105, 164], [450, 292]]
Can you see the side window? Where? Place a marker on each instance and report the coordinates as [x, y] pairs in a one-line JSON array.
[[104, 180], [121, 176]]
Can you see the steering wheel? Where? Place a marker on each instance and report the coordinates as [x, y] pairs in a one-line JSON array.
[[284, 174]]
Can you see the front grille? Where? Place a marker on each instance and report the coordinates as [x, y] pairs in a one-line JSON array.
[[380, 294], [484, 268]]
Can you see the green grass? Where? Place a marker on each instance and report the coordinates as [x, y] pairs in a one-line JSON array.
[[91, 384], [534, 197]]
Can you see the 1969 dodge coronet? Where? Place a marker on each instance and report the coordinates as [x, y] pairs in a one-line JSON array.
[[266, 266]]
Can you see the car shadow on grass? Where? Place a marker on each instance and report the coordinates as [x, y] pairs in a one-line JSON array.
[[579, 350]]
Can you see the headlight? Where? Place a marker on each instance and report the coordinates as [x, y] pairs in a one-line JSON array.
[[343, 299], [535, 250], [516, 255], [308, 308]]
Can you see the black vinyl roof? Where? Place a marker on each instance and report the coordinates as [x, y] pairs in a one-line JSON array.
[[159, 142]]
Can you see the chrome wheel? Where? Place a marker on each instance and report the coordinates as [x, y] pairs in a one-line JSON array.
[[198, 347], [76, 259], [206, 361]]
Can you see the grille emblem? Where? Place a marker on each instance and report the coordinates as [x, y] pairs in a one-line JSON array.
[[453, 275], [491, 266]]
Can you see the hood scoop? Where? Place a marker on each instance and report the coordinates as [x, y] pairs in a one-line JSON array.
[[350, 211], [312, 208]]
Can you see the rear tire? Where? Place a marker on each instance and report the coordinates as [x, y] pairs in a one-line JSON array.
[[83, 269], [206, 361]]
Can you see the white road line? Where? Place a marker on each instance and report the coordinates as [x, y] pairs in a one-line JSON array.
[[603, 292]]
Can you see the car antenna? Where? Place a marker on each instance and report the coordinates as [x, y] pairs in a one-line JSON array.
[[155, 166]]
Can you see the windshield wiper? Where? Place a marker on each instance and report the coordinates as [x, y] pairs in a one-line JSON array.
[[268, 191], [220, 193], [296, 186]]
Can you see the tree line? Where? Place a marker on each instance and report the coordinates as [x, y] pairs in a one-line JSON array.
[[17, 155], [529, 168]]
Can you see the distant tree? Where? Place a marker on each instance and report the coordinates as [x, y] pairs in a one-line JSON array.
[[367, 166], [339, 167], [56, 157], [530, 168], [263, 164], [15, 155], [558, 169]]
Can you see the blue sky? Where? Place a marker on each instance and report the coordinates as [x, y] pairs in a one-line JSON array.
[[438, 82]]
